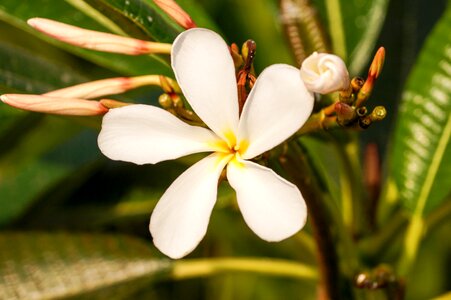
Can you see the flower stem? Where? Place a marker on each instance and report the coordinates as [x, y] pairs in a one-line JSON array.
[[334, 14], [317, 122], [335, 285], [184, 269]]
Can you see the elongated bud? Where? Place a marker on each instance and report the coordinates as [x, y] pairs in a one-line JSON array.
[[324, 73], [96, 40], [54, 105], [113, 86], [373, 73], [176, 13], [378, 63], [93, 89]]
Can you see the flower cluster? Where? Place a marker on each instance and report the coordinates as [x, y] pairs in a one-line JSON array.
[[279, 103]]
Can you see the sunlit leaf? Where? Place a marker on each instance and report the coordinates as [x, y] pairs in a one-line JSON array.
[[420, 160], [139, 18], [49, 266]]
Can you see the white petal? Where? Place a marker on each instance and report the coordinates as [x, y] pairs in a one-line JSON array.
[[271, 206], [205, 72], [180, 219], [145, 134], [278, 105]]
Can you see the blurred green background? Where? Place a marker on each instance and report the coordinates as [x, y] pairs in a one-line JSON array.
[[75, 224]]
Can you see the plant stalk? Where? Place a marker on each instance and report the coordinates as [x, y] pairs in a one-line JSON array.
[[335, 285]]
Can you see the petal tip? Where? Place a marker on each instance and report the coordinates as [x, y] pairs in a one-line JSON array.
[[32, 22], [172, 252], [36, 22]]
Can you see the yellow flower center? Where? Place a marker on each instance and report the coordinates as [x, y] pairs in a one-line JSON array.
[[230, 148]]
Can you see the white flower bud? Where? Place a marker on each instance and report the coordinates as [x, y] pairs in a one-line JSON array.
[[55, 105], [324, 73], [96, 40]]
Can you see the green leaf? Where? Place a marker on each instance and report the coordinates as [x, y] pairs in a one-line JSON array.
[[138, 18], [421, 155], [99, 266], [49, 266], [36, 154], [16, 14], [198, 14], [354, 27], [420, 162]]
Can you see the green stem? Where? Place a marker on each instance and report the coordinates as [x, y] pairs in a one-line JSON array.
[[347, 195], [379, 243], [189, 268], [350, 156], [334, 284], [439, 215], [336, 27], [375, 246]]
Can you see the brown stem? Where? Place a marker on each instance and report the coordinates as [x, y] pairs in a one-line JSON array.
[[372, 180], [300, 172]]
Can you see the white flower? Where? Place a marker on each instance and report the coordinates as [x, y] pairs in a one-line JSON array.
[[324, 73], [276, 108]]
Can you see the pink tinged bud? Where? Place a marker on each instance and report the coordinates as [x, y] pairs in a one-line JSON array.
[[176, 13], [96, 40], [377, 63], [94, 89], [55, 105], [113, 86], [324, 73]]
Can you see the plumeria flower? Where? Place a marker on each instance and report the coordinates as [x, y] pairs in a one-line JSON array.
[[277, 107], [324, 73]]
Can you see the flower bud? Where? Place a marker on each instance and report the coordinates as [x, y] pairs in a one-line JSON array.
[[96, 40], [176, 13], [324, 73], [113, 86], [54, 105], [93, 89]]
